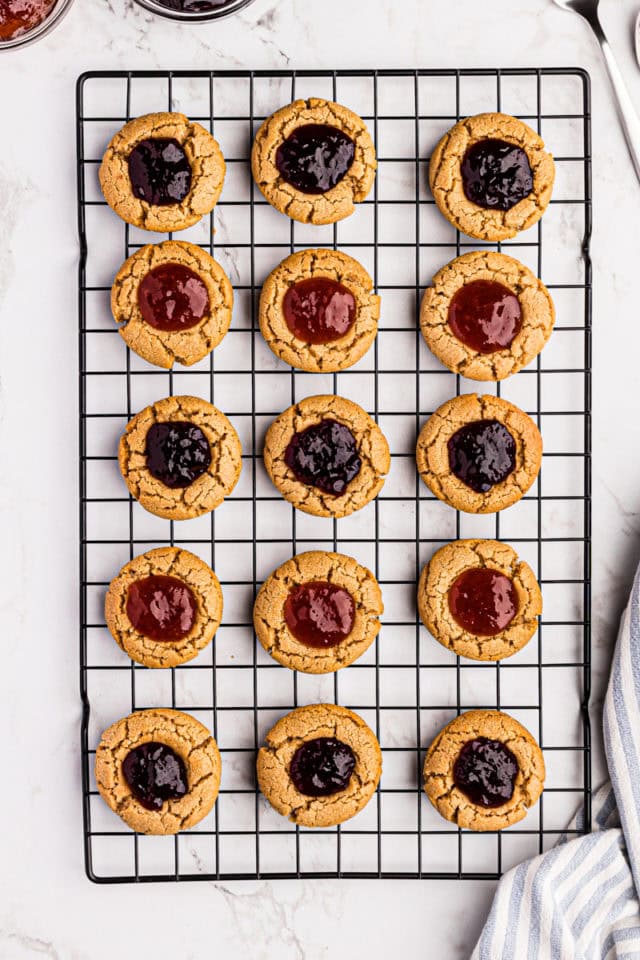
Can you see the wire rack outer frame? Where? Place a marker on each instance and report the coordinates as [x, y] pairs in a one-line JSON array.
[[457, 871]]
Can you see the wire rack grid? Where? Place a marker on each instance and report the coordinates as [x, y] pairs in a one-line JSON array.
[[407, 686]]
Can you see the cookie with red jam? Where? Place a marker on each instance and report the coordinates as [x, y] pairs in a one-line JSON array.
[[479, 600], [172, 302], [318, 612], [486, 315], [164, 607], [318, 311]]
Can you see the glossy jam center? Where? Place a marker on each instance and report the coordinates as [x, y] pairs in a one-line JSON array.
[[485, 315], [496, 175], [162, 608], [485, 770], [322, 766], [482, 454], [325, 455], [159, 171], [20, 16], [177, 453], [483, 601], [155, 774], [319, 310], [172, 297], [319, 614], [315, 157]]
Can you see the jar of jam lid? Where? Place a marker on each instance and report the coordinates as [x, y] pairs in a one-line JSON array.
[[194, 11], [24, 21]]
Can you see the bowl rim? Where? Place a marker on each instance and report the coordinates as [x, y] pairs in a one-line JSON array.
[[57, 13], [156, 7]]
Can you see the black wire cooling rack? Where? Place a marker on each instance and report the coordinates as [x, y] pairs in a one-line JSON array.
[[407, 686]]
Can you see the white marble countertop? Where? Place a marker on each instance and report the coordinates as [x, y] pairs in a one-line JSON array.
[[47, 907]]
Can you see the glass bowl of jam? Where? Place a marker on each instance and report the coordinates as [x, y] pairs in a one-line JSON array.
[[25, 21], [193, 11]]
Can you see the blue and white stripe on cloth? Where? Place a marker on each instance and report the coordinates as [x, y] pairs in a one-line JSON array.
[[580, 900]]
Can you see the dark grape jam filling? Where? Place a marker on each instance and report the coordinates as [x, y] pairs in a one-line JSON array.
[[172, 297], [155, 774], [177, 453], [483, 601], [319, 614], [161, 607], [159, 171], [319, 310], [322, 767], [315, 157], [195, 6], [482, 454], [496, 175], [325, 455], [486, 770], [485, 316]]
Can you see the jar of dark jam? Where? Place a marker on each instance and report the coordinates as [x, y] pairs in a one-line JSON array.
[[194, 11], [25, 21]]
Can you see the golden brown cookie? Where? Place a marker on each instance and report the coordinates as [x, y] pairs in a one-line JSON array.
[[330, 600], [485, 459], [154, 283], [279, 762], [458, 806], [337, 201], [193, 450], [197, 776], [351, 464], [297, 282], [469, 574], [193, 172], [175, 601], [445, 177], [474, 272]]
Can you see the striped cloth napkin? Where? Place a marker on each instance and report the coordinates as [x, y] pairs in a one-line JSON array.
[[580, 899]]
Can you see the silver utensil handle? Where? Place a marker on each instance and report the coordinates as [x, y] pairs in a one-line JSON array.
[[624, 104]]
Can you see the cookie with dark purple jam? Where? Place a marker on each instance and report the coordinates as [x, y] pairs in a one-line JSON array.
[[484, 771], [319, 765], [326, 456], [162, 172], [159, 770], [479, 454], [491, 176], [313, 160], [180, 457]]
